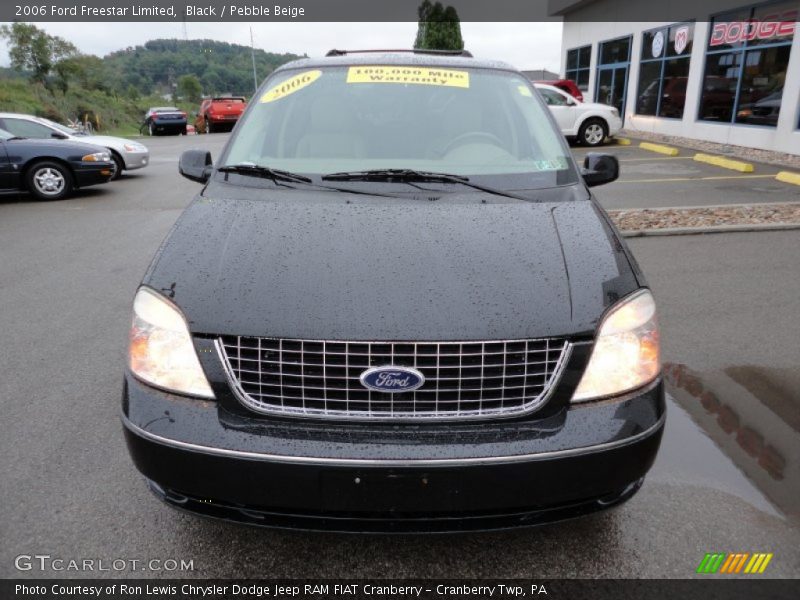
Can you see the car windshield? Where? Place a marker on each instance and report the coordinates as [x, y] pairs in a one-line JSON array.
[[5, 135], [469, 122]]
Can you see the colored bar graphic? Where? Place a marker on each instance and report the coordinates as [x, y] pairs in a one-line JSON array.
[[764, 564], [741, 562], [724, 563], [711, 562], [729, 563], [734, 563]]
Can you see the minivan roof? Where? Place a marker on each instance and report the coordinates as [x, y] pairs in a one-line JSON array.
[[397, 58]]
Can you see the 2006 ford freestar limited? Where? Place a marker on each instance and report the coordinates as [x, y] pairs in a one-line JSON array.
[[394, 306]]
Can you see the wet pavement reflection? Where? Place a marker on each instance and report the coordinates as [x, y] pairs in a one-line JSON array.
[[750, 429]]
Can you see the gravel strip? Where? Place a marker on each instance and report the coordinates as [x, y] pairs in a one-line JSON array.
[[671, 218], [781, 159]]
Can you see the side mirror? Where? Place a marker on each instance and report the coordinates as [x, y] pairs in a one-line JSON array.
[[599, 169], [58, 136], [195, 165]]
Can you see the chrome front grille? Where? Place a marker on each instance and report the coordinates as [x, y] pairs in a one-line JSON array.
[[462, 379]]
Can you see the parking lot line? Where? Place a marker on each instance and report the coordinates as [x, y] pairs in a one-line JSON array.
[[714, 178]]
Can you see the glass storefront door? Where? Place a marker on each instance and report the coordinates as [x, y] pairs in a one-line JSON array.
[[612, 73], [612, 84]]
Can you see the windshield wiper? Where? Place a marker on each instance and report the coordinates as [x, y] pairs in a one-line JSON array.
[[267, 172], [277, 176], [411, 175]]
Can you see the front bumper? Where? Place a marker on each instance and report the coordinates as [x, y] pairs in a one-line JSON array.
[[377, 477], [136, 160], [87, 174]]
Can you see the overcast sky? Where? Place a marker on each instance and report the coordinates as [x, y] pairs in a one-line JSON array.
[[524, 45]]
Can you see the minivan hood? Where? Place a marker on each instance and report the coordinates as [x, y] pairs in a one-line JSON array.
[[322, 265]]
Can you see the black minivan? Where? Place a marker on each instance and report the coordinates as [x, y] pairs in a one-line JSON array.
[[394, 305]]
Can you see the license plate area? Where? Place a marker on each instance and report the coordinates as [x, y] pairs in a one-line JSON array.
[[388, 491]]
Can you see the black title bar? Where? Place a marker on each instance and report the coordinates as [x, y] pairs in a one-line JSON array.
[[732, 588], [100, 11]]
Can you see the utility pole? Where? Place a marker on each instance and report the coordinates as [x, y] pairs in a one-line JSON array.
[[253, 56]]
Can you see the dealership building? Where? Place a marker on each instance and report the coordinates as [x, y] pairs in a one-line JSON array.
[[719, 74]]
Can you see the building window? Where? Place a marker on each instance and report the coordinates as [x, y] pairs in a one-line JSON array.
[[578, 61], [746, 61], [611, 84], [664, 70]]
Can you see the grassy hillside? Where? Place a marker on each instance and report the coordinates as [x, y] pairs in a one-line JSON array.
[[220, 67], [120, 87], [116, 114]]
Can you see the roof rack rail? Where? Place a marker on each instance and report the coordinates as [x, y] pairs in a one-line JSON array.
[[467, 53]]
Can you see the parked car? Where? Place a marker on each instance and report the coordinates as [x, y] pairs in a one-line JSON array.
[[394, 304], [217, 114], [165, 119], [50, 169], [565, 85], [126, 154], [587, 122], [764, 112]]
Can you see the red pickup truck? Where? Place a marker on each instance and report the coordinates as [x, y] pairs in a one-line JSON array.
[[218, 114]]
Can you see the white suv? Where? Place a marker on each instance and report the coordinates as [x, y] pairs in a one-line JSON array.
[[588, 122]]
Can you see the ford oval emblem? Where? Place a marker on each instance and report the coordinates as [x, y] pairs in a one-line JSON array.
[[392, 379]]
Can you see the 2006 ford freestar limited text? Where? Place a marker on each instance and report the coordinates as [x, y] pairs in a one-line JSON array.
[[394, 305]]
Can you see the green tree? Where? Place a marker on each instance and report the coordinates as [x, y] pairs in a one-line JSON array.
[[189, 88], [439, 27], [32, 49], [132, 92]]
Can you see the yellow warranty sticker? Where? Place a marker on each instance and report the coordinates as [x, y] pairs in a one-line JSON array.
[[408, 75], [290, 86], [524, 90]]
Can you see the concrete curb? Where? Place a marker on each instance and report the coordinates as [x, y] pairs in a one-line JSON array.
[[655, 209], [788, 177], [660, 148], [725, 163], [634, 233]]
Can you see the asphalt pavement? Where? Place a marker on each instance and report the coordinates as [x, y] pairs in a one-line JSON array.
[[652, 180], [726, 480]]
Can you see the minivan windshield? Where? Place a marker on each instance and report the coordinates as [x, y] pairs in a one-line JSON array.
[[461, 121]]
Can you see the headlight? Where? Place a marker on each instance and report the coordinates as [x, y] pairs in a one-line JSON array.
[[97, 157], [626, 350], [161, 351], [134, 148]]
